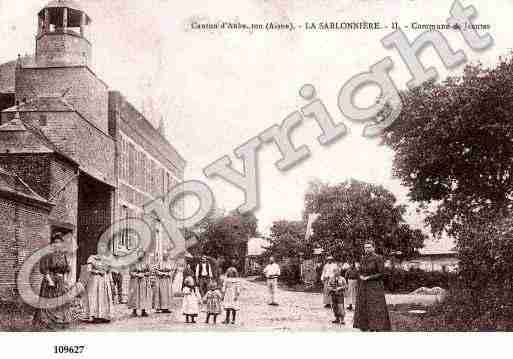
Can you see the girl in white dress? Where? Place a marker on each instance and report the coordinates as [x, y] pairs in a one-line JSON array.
[[231, 292], [190, 304]]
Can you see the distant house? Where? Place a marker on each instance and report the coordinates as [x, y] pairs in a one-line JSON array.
[[435, 256], [256, 247]]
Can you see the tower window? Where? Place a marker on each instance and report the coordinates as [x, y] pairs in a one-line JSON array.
[[43, 120]]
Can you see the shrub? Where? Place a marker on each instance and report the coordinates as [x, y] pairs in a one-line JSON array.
[[482, 297]]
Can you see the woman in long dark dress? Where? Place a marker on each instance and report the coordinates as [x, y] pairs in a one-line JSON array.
[[54, 267], [371, 308]]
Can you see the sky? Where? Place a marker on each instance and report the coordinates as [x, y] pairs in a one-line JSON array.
[[218, 89]]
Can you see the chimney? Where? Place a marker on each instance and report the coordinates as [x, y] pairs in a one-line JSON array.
[[162, 127]]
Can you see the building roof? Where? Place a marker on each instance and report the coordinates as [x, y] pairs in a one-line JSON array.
[[257, 246], [10, 184], [70, 4], [19, 137], [43, 104], [442, 246], [7, 72]]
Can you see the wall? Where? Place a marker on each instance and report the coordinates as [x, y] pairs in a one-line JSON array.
[[64, 194], [33, 169], [133, 124], [23, 230], [82, 89], [62, 49], [75, 137]]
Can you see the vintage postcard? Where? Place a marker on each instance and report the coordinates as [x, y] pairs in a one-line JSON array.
[[334, 166]]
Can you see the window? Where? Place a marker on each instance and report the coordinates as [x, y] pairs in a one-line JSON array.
[[123, 163], [143, 171], [163, 181], [42, 120], [157, 228], [125, 235], [152, 177], [131, 164], [148, 176]]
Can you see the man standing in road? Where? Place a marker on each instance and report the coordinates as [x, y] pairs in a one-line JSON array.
[[271, 273], [328, 272], [203, 275]]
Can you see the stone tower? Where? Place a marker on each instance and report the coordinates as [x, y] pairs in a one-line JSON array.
[[61, 38], [61, 67]]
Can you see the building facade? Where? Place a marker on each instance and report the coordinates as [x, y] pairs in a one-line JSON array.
[[78, 144]]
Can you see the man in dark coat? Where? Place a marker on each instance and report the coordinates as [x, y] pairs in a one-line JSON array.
[[204, 275]]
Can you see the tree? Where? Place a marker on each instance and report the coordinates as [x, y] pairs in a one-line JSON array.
[[453, 145], [352, 212], [226, 235], [286, 239]]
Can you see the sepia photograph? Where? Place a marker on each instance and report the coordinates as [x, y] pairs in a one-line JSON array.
[[263, 166]]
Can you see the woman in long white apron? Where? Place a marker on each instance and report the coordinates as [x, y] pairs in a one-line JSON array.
[[99, 293]]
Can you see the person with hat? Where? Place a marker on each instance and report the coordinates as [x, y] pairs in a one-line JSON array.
[[203, 275], [328, 272], [54, 267]]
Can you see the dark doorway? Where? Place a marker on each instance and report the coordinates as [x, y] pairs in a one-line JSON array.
[[94, 215]]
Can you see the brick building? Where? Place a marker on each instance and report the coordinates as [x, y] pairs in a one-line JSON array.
[[25, 228], [75, 143]]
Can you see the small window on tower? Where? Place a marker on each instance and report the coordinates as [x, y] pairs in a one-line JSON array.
[[42, 120]]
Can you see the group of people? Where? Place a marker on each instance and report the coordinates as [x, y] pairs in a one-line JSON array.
[[151, 287], [360, 289], [214, 299]]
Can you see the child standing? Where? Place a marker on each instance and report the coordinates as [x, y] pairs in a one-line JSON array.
[[212, 301], [231, 291], [190, 304], [337, 286], [352, 276]]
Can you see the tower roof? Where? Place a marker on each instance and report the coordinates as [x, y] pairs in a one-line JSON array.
[[70, 4]]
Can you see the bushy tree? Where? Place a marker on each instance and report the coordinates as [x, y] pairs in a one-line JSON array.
[[287, 239], [226, 235], [352, 212], [453, 144]]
